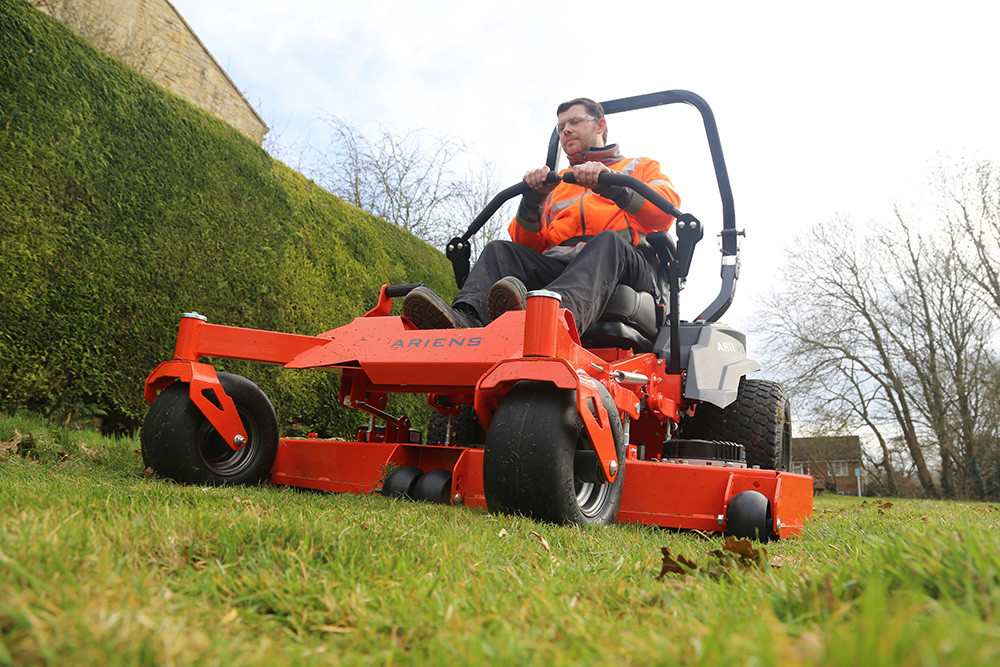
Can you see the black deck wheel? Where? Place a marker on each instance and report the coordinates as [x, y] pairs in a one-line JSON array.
[[539, 462], [178, 441], [749, 516], [400, 482], [434, 486]]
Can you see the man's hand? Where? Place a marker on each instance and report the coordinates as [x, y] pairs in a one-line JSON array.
[[586, 174], [535, 178]]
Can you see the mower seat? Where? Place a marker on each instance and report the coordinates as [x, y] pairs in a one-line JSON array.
[[628, 321]]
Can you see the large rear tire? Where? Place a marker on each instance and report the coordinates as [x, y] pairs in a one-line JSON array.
[[539, 462], [760, 419], [178, 441], [460, 431]]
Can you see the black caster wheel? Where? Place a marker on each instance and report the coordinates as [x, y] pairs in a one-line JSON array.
[[400, 483], [433, 487], [749, 516], [178, 441], [539, 462]]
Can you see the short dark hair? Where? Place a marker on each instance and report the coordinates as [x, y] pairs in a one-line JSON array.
[[593, 108]]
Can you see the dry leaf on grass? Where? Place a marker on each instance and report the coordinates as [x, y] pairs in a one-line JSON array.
[[92, 452], [11, 446], [545, 545], [747, 555], [744, 549], [251, 505], [675, 565]]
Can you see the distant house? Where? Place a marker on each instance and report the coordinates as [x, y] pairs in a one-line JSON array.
[[832, 461], [154, 39]]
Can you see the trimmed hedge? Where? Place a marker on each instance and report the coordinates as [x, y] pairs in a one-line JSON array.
[[122, 206]]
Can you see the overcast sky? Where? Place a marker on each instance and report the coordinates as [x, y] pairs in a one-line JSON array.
[[823, 108]]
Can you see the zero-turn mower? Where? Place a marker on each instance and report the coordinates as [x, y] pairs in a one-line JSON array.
[[644, 419]]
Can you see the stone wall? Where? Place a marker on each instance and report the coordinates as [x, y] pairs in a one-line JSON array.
[[152, 37]]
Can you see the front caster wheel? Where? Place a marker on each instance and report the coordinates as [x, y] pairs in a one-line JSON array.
[[400, 483], [178, 441], [539, 462], [749, 516], [434, 486]]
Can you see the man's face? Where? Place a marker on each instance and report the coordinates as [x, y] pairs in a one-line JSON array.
[[577, 134]]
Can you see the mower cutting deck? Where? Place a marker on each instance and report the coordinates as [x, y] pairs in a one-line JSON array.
[[531, 419]]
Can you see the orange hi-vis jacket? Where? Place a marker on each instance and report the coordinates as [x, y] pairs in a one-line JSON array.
[[571, 211]]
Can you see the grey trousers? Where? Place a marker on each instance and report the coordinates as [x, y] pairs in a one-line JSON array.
[[585, 283]]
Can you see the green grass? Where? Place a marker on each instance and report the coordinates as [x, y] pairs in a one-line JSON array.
[[102, 562]]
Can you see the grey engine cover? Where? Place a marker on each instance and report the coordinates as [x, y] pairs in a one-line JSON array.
[[715, 359]]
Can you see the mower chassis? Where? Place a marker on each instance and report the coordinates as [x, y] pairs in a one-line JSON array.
[[378, 354]]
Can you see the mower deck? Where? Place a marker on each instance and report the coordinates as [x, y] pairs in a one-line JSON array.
[[657, 493]]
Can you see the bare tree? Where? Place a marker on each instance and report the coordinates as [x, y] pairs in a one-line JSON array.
[[973, 195], [409, 180], [279, 142], [892, 333], [477, 190], [828, 325]]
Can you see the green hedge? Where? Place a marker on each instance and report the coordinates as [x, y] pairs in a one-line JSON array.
[[122, 206]]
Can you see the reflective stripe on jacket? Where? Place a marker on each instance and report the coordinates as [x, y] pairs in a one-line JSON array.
[[572, 211]]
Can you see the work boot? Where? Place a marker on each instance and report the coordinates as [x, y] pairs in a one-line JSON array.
[[508, 293], [429, 311]]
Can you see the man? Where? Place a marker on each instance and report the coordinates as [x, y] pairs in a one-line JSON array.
[[579, 241]]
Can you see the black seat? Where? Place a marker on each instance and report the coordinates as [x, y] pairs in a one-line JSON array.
[[628, 321], [631, 320]]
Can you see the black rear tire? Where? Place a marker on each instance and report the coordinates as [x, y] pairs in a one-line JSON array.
[[531, 465], [465, 428], [178, 441], [760, 419]]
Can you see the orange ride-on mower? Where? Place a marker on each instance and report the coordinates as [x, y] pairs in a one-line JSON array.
[[643, 419]]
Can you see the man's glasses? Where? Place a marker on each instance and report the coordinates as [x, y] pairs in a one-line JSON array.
[[575, 121]]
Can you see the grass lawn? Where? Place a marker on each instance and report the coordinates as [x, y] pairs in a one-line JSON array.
[[100, 562]]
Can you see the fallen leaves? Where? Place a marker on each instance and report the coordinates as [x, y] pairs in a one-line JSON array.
[[735, 552], [11, 446], [257, 509], [535, 534], [545, 545], [679, 565], [744, 549]]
